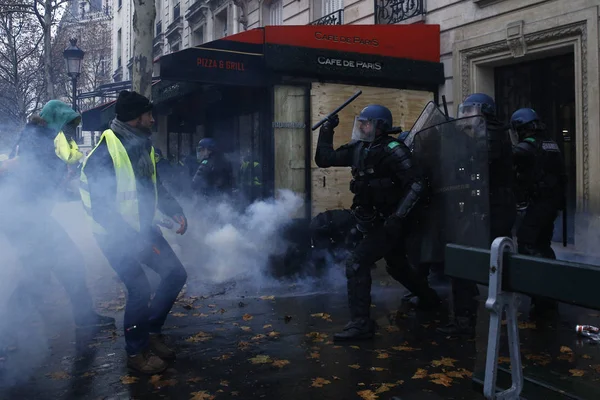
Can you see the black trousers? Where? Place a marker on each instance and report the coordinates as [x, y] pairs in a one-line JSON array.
[[536, 230]]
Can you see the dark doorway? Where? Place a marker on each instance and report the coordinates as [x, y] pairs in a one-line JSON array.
[[548, 86]]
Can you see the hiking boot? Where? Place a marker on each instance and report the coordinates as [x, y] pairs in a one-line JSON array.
[[146, 363], [361, 329], [158, 347], [460, 326], [94, 320]]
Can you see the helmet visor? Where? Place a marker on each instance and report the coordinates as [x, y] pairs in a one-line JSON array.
[[468, 110], [364, 129]]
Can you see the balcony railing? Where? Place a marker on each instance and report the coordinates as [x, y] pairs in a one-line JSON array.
[[174, 27], [335, 18], [395, 11]]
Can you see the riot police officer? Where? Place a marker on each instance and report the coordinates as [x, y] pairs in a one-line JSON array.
[[502, 211], [331, 239], [387, 188], [540, 180], [214, 174]]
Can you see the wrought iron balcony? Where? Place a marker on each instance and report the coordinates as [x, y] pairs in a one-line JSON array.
[[395, 11], [174, 29], [197, 11], [335, 18]]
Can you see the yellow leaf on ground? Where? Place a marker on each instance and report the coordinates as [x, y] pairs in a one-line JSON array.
[[261, 359], [268, 326], [367, 395], [504, 360], [405, 348], [200, 315], [576, 372], [378, 369], [59, 375], [420, 374], [273, 334], [527, 325], [595, 367], [128, 380], [587, 357], [355, 366], [441, 379], [355, 347], [224, 383], [267, 297], [246, 328], [384, 388], [212, 305], [315, 355], [541, 359], [222, 357], [243, 345], [199, 337], [247, 317], [280, 363], [178, 314], [459, 374], [320, 382], [335, 378], [235, 393], [202, 395], [158, 383], [392, 328], [194, 380], [570, 357], [446, 362], [565, 349], [317, 336], [259, 337], [383, 355]]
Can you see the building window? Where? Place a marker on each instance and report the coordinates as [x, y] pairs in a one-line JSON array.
[[120, 3], [276, 13], [175, 47], [331, 6], [176, 11], [198, 36], [158, 28], [119, 47], [221, 24]]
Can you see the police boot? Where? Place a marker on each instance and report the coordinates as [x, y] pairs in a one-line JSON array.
[[359, 301], [459, 326], [421, 296]]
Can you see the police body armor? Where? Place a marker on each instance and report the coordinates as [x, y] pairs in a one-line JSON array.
[[455, 158], [376, 196]]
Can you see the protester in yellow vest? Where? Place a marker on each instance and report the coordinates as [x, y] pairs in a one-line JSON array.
[[121, 193], [29, 190]]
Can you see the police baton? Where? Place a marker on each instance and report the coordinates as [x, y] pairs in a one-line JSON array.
[[337, 110]]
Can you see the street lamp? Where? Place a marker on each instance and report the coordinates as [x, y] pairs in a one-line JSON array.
[[73, 57]]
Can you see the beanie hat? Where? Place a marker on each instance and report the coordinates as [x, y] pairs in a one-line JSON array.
[[130, 105]]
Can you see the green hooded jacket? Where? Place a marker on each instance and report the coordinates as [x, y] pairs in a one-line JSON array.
[[57, 114]]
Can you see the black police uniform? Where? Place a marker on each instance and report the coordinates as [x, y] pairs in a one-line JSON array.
[[541, 179], [214, 176], [386, 186]]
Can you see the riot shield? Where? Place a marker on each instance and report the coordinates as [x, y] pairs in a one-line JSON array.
[[454, 157], [430, 116]]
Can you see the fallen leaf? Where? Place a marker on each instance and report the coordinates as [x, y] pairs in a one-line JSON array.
[[200, 315], [459, 374], [259, 337], [392, 328], [314, 355], [199, 337], [316, 336], [273, 334], [541, 359], [504, 360], [128, 380], [280, 363], [324, 316], [202, 395], [383, 355], [420, 374], [224, 383], [212, 305], [320, 382], [187, 306], [405, 348], [261, 359], [355, 347], [194, 380], [246, 328], [178, 314], [222, 311], [587, 357], [595, 367], [59, 375], [243, 345], [378, 369], [235, 393], [360, 384], [570, 357], [434, 344], [158, 383], [269, 326], [247, 317], [527, 325], [441, 379], [446, 362], [267, 297], [385, 387], [355, 366], [565, 349], [576, 372], [222, 357], [335, 378], [367, 395]]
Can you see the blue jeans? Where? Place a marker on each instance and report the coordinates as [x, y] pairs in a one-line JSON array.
[[143, 317]]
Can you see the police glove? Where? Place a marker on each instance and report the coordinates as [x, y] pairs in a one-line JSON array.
[[331, 123], [182, 221]]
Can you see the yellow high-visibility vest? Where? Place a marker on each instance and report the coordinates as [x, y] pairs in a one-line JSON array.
[[126, 198], [244, 169], [66, 150]]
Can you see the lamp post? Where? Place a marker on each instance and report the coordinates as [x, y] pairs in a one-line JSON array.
[[73, 57]]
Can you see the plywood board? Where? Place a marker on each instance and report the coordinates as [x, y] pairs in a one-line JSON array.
[[330, 186]]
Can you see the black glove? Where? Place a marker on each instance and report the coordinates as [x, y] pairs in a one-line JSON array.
[[331, 124], [393, 225]]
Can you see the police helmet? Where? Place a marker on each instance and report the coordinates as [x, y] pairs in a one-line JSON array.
[[525, 118], [477, 103], [379, 113], [157, 152], [207, 143]]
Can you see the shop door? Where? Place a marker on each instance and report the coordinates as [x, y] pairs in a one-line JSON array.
[[290, 134], [547, 86]]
